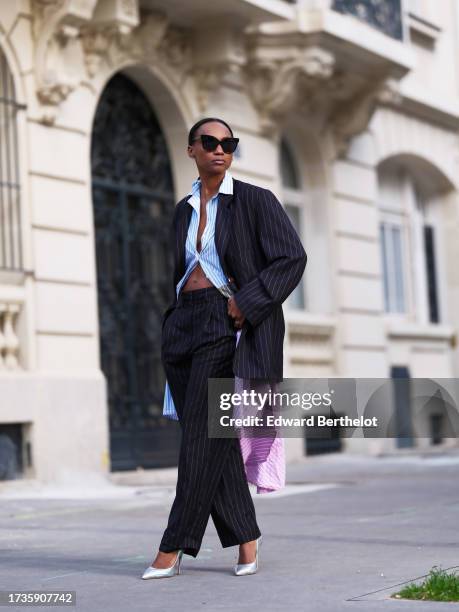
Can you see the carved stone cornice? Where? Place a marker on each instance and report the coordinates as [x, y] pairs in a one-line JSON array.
[[73, 38]]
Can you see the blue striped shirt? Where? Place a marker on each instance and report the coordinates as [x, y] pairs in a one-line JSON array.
[[207, 257]]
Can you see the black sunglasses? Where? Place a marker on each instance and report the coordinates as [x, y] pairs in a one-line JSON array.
[[210, 143]]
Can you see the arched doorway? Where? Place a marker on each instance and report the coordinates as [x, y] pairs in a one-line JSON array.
[[133, 201]]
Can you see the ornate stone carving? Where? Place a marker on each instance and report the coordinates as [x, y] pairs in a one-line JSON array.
[[218, 52], [57, 49], [156, 42], [208, 79], [278, 86], [71, 37], [352, 117], [9, 341], [174, 50], [151, 32], [74, 37], [129, 8], [291, 70], [95, 45]]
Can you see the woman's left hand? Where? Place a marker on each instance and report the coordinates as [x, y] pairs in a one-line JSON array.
[[235, 313]]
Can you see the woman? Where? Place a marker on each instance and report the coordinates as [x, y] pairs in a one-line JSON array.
[[237, 258]]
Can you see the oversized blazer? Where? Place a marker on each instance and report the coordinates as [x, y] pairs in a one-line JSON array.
[[259, 248]]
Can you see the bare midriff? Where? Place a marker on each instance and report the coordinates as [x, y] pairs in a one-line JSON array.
[[197, 278]]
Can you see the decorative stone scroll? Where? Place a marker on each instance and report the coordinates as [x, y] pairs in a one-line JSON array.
[[278, 86], [74, 37]]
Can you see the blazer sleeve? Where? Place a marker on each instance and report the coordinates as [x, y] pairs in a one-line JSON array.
[[285, 261]]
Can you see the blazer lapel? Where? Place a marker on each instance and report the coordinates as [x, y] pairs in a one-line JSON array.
[[222, 225]]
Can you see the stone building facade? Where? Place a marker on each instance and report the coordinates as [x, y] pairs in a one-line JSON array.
[[348, 110]]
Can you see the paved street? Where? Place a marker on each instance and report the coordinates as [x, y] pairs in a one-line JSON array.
[[342, 535]]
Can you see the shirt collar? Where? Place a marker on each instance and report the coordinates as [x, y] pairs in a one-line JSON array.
[[226, 186]]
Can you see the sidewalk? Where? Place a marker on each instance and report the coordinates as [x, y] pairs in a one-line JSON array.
[[344, 532]]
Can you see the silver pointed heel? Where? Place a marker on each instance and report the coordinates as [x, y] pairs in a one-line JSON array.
[[243, 569], [166, 572]]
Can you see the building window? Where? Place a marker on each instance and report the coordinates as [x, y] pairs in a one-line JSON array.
[[432, 294], [425, 221], [391, 240], [402, 396], [383, 15], [10, 209], [411, 221], [294, 200]]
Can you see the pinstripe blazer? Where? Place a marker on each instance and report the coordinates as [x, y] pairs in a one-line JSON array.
[[259, 248]]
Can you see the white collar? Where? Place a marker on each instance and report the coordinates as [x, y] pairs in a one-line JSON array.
[[226, 186]]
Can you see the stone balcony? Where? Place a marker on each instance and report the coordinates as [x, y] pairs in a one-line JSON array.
[[331, 65]]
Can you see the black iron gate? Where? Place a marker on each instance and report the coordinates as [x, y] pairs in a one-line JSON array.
[[133, 204]]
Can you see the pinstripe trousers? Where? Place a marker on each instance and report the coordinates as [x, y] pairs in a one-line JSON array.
[[198, 342]]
